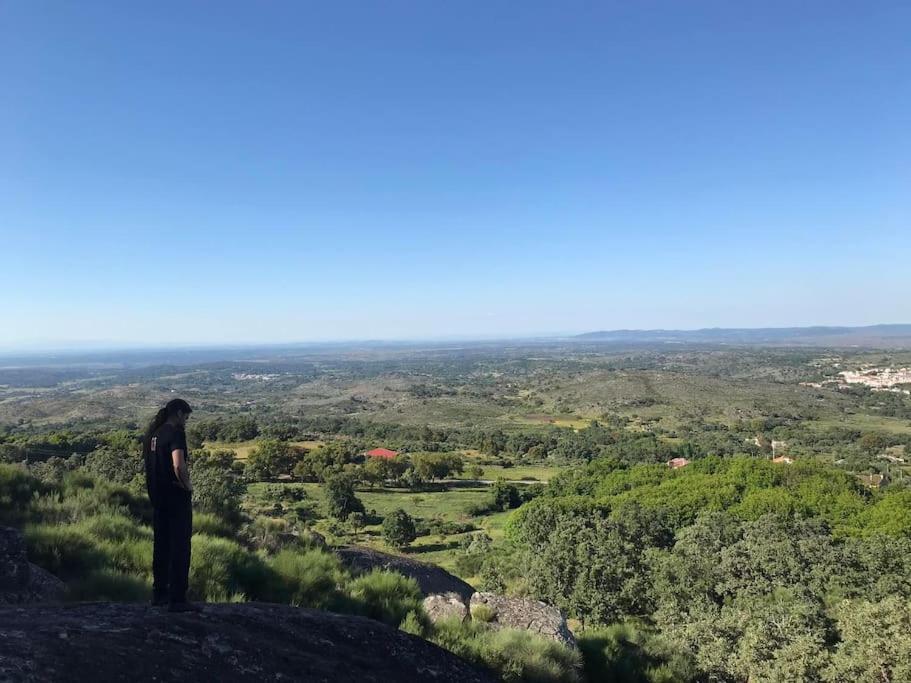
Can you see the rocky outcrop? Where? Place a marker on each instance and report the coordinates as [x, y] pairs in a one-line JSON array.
[[21, 581], [442, 606], [226, 642], [430, 579], [531, 615]]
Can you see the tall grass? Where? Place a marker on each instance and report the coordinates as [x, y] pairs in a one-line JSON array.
[[385, 596], [221, 570], [515, 655], [309, 579]]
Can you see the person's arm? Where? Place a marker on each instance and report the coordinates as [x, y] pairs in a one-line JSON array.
[[181, 470]]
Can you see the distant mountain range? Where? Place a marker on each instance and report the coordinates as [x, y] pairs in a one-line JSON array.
[[872, 336]]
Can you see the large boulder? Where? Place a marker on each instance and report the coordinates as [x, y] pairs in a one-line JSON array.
[[21, 581], [442, 606], [531, 615], [431, 579], [225, 642]]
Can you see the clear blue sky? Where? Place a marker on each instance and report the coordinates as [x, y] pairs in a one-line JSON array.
[[189, 172]]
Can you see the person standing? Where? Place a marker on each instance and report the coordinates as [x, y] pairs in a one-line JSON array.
[[169, 488]]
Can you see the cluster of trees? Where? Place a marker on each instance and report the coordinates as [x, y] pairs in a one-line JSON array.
[[272, 459], [32, 448], [237, 428], [556, 444], [754, 571]]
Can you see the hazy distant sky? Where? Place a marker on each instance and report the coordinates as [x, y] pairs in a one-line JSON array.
[[176, 172]]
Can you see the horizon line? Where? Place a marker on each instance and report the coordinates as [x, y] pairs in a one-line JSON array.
[[98, 346]]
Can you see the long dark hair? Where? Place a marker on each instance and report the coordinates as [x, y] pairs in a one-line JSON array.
[[172, 407]]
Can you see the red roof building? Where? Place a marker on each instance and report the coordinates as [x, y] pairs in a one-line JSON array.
[[381, 453]]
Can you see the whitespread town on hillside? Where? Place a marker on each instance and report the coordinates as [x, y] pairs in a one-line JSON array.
[[878, 379]]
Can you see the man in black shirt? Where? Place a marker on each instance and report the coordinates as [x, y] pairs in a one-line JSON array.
[[170, 490]]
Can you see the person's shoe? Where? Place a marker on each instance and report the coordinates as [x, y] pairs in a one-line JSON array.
[[184, 607], [158, 602]]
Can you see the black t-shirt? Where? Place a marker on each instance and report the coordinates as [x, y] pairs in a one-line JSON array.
[[160, 477]]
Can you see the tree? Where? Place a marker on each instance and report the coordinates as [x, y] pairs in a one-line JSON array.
[[379, 470], [875, 641], [357, 520], [398, 529], [340, 497], [271, 459], [118, 461], [216, 486], [324, 462], [430, 466], [505, 496]]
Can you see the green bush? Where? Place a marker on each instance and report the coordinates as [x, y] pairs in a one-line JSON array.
[[81, 496], [114, 527], [417, 623], [626, 653], [522, 656], [515, 655], [482, 613], [66, 551], [469, 565], [17, 489], [220, 569], [385, 596], [106, 584], [272, 535], [308, 579], [133, 555], [211, 524]]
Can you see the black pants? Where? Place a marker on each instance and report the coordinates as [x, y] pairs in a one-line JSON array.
[[172, 524]]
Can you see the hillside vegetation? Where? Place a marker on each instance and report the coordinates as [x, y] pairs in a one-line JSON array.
[[538, 470]]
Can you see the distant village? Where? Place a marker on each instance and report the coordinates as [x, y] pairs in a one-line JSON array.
[[878, 379]]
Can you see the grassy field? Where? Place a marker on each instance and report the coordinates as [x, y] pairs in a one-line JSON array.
[[864, 422], [451, 505]]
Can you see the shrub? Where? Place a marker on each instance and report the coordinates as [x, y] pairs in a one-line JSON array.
[[81, 497], [469, 565], [483, 613], [66, 551], [309, 579], [212, 525], [220, 568], [17, 488], [130, 555], [269, 534], [522, 656], [106, 584], [385, 596], [514, 655], [97, 494], [417, 623], [626, 652], [114, 527]]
